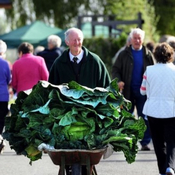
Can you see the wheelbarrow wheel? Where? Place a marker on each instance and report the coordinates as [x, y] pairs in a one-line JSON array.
[[77, 169], [73, 170]]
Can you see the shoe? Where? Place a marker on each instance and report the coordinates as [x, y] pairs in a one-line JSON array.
[[18, 154], [145, 148], [2, 146], [169, 171]]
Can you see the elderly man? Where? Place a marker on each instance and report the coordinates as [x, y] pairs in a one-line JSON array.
[[129, 68], [79, 64], [52, 52]]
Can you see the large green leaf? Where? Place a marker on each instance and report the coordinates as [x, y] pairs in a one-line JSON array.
[[67, 119], [71, 116], [43, 109]]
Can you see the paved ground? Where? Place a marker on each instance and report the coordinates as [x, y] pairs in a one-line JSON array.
[[12, 164]]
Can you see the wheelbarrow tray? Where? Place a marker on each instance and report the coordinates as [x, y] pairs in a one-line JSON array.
[[73, 156]]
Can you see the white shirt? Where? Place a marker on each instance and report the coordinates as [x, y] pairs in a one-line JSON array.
[[79, 56]]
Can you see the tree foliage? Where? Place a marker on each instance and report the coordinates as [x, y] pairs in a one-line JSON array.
[[128, 10], [165, 15], [55, 12], [63, 13], [157, 14], [60, 11], [106, 48]]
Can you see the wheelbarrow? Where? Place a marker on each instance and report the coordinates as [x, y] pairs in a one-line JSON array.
[[75, 159]]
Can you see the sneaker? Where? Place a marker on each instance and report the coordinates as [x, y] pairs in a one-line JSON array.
[[145, 148], [169, 171]]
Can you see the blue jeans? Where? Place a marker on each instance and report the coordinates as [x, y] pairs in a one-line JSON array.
[[138, 101]]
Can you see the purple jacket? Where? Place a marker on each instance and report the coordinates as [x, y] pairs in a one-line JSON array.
[[5, 77]]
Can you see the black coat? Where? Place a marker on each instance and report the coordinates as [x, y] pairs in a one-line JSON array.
[[50, 56], [123, 67], [92, 73]]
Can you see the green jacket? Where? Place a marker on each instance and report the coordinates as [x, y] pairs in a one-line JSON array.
[[123, 67], [93, 72]]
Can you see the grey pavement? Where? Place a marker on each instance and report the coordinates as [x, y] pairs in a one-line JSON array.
[[12, 164]]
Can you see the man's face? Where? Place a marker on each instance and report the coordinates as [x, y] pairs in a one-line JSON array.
[[75, 43], [136, 41]]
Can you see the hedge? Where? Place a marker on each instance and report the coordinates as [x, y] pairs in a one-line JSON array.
[[106, 48]]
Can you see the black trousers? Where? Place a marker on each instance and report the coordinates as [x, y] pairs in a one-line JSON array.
[[3, 113], [83, 170], [163, 137]]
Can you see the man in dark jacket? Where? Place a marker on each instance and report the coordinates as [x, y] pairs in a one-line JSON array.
[[89, 70], [79, 64], [129, 68], [52, 52]]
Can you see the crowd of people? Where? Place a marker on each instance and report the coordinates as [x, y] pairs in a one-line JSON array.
[[145, 76]]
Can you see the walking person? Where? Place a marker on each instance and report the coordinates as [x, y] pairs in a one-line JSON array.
[[159, 86], [78, 64], [129, 68], [28, 69], [53, 50], [5, 77]]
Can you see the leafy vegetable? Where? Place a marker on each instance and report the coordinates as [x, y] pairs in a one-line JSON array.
[[71, 116]]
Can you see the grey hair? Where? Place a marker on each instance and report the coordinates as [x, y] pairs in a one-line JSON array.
[[3, 47], [73, 29], [128, 40], [55, 40], [137, 31]]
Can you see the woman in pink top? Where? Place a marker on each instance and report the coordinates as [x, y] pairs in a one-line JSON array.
[[28, 69]]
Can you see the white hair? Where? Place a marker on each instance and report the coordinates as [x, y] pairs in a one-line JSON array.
[[73, 29], [137, 31], [38, 49], [128, 40], [55, 40], [3, 47]]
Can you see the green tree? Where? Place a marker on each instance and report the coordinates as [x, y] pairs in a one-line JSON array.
[[55, 12], [127, 10], [3, 26], [165, 15], [63, 13]]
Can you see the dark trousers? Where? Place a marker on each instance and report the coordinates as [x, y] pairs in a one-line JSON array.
[[163, 137], [3, 113], [83, 170], [138, 101]]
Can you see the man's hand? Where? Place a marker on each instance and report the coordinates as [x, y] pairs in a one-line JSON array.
[[121, 85]]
